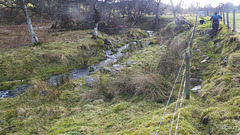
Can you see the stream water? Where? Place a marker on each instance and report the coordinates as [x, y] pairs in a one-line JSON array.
[[79, 73], [74, 74]]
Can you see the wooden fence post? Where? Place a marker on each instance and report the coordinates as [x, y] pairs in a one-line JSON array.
[[234, 23], [192, 36], [227, 20], [187, 75], [224, 17]]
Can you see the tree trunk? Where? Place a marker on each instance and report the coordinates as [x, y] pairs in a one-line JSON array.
[[177, 22], [96, 19], [157, 12], [29, 24], [40, 17]]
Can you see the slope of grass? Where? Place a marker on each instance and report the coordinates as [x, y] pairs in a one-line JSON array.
[[69, 50], [66, 110]]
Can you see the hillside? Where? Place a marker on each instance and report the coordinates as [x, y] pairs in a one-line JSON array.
[[131, 94]]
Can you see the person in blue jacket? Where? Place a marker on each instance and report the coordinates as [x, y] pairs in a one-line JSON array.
[[215, 23]]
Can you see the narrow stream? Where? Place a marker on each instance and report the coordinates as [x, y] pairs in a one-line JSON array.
[[79, 73], [74, 74]]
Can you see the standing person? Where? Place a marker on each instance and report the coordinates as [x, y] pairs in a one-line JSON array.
[[215, 23]]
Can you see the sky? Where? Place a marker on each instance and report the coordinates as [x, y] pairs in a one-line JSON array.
[[214, 3]]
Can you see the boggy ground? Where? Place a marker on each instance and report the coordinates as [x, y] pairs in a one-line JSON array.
[[127, 103]]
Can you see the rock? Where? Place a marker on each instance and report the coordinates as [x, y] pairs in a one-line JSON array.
[[118, 69], [150, 33], [193, 80], [155, 61], [196, 88], [116, 66], [200, 81], [106, 70], [91, 81], [198, 69], [128, 63], [146, 43], [56, 80], [203, 61], [199, 50], [134, 63], [204, 56], [206, 59], [134, 43], [108, 53]]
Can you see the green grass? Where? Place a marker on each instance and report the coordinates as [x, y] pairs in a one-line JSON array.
[[65, 110], [71, 50]]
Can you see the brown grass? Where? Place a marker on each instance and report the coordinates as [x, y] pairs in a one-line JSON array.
[[152, 87], [14, 36]]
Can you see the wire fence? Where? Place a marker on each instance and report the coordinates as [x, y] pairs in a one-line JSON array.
[[232, 19], [184, 87]]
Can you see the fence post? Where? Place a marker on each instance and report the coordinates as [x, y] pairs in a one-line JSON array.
[[234, 23], [227, 20], [187, 74], [224, 17], [192, 36]]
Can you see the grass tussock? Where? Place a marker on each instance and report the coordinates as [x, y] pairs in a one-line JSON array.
[[169, 63], [152, 87]]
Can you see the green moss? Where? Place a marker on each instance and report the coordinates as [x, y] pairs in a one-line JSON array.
[[99, 42], [137, 34]]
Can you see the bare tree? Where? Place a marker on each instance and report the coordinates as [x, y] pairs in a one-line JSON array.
[[157, 11], [29, 24], [96, 19], [176, 19]]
